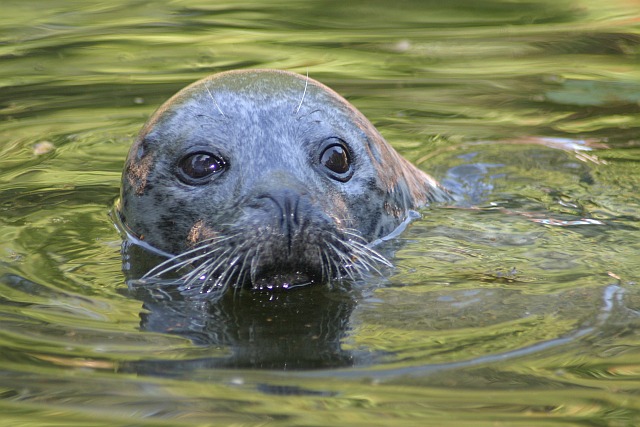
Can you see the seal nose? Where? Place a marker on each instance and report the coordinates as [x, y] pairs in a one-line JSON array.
[[285, 205]]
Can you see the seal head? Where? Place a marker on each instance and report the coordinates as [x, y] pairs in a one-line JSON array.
[[268, 179]]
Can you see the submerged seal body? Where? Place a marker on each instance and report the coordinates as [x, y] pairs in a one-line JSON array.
[[268, 179]]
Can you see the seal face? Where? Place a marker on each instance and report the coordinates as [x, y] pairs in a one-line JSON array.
[[265, 178]]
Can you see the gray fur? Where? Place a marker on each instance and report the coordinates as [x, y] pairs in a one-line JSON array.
[[271, 136]]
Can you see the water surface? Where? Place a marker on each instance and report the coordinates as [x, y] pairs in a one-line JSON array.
[[518, 306]]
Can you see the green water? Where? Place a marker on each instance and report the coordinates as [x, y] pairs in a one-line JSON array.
[[518, 307]]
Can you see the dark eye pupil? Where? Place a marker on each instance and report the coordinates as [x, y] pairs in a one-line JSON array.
[[201, 165], [336, 159]]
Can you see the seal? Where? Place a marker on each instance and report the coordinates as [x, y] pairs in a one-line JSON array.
[[265, 179]]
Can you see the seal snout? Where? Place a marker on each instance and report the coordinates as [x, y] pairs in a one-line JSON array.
[[287, 225], [289, 222], [284, 208]]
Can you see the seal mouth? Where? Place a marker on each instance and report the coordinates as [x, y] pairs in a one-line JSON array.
[[225, 262], [282, 281]]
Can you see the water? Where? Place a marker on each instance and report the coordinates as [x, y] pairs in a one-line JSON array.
[[518, 306]]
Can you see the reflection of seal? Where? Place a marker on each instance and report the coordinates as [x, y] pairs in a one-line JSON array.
[[265, 178], [225, 328]]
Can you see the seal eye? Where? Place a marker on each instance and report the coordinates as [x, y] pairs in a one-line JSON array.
[[195, 167], [336, 158]]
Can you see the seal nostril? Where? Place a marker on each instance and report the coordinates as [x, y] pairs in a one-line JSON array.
[[294, 215], [284, 206], [286, 211]]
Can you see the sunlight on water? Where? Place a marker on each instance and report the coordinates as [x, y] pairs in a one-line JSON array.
[[516, 306]]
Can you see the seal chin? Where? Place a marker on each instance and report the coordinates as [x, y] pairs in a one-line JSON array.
[[283, 281], [268, 260]]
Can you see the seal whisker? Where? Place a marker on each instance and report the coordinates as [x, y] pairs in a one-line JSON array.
[[226, 257], [354, 234], [222, 282], [197, 274], [255, 260], [333, 269], [229, 277], [370, 253], [189, 280], [338, 270], [335, 263], [242, 277], [306, 83], [191, 284], [327, 267], [162, 268], [158, 272], [249, 253], [241, 272], [348, 269], [345, 260], [210, 247], [206, 86], [207, 252], [205, 269], [323, 267], [357, 241], [363, 260], [244, 271]]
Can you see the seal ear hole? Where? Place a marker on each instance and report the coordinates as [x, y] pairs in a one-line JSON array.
[[336, 159], [197, 168]]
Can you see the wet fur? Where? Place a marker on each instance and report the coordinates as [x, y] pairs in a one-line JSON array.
[[230, 232]]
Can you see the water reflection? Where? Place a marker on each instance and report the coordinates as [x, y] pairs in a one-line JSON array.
[[469, 283], [291, 329], [308, 328]]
